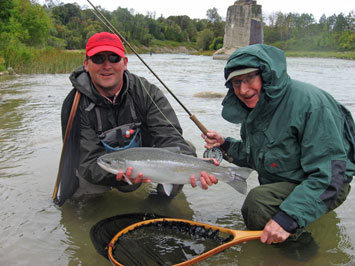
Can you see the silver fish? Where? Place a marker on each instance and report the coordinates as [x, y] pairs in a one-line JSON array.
[[166, 166]]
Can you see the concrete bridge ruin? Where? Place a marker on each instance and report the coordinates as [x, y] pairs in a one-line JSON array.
[[243, 27]]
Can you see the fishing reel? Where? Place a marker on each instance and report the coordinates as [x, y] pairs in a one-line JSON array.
[[214, 153]]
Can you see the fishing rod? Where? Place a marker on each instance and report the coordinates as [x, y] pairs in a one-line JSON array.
[[214, 151], [114, 30]]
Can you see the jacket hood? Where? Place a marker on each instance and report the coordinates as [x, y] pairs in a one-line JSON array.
[[81, 80], [272, 64]]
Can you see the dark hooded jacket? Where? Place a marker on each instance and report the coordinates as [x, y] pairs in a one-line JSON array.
[[296, 133], [156, 129]]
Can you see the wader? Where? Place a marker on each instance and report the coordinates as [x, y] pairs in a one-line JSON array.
[[263, 202], [119, 138]]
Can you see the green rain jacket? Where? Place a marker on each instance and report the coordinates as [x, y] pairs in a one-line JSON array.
[[296, 133]]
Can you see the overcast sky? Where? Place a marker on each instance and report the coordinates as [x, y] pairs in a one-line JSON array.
[[198, 8]]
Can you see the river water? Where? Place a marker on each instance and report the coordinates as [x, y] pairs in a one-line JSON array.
[[34, 231]]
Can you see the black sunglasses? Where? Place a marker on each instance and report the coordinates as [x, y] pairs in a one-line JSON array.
[[101, 58]]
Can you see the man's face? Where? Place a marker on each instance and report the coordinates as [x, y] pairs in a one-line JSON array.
[[247, 87], [107, 77]]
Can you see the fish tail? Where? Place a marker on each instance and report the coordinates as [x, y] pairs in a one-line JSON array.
[[240, 173]]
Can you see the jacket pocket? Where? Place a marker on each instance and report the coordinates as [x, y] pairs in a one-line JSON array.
[[282, 153], [278, 164]]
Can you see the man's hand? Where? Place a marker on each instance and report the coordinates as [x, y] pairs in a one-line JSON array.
[[127, 177], [213, 139], [273, 233], [205, 179]]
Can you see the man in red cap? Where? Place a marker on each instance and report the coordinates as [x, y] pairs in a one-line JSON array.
[[115, 112], [106, 75]]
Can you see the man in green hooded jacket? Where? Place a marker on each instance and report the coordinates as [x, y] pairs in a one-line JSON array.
[[296, 136]]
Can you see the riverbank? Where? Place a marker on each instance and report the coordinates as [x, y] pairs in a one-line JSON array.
[[319, 54], [309, 54], [9, 72], [167, 47], [54, 61]]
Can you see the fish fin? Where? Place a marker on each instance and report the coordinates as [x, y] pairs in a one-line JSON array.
[[127, 180], [106, 166], [239, 185], [168, 188]]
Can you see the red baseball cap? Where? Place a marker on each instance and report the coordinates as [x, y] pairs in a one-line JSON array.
[[104, 41]]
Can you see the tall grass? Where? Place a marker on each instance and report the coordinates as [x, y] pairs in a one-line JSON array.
[[28, 60], [50, 60]]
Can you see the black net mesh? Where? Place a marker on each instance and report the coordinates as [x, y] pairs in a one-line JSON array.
[[103, 231], [161, 243]]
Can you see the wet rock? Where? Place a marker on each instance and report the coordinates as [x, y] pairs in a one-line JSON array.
[[9, 72]]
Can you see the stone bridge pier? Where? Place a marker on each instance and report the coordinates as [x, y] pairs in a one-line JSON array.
[[243, 27]]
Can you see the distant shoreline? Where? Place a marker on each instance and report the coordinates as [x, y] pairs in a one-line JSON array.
[[309, 54], [350, 55], [55, 61]]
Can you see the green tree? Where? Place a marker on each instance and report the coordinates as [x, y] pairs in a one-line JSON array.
[[204, 39], [200, 24], [341, 24], [156, 28], [216, 25], [6, 7], [217, 43], [26, 22], [122, 19], [173, 31], [213, 16], [140, 30], [351, 21], [62, 14], [69, 25], [186, 25], [347, 40]]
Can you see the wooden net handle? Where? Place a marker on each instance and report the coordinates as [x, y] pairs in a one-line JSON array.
[[66, 136]]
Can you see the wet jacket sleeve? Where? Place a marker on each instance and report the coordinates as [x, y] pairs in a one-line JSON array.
[[324, 161], [237, 150]]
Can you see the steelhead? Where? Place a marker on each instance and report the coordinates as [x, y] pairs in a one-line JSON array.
[[166, 166]]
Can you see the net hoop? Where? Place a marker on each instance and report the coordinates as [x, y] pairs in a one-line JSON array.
[[239, 236]]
